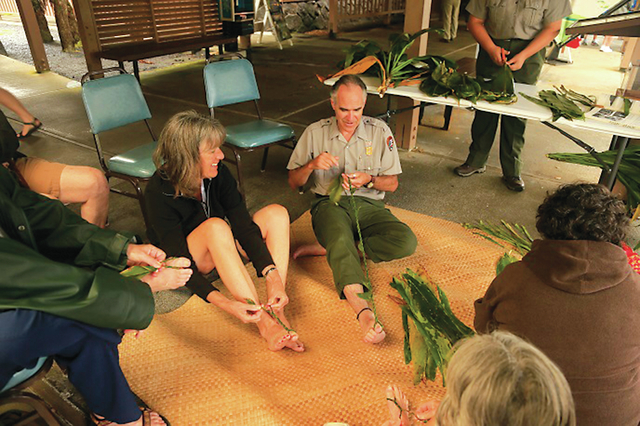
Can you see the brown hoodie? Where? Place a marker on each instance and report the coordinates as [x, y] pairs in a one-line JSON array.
[[579, 302]]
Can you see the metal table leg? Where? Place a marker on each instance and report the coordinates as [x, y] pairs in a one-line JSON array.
[[609, 179]]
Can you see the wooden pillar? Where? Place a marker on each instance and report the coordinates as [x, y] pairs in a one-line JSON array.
[[34, 38], [88, 34], [631, 52], [416, 17], [333, 17], [387, 18]]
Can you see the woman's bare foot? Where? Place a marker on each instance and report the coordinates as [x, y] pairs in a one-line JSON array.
[[148, 418], [294, 344], [29, 127], [169, 278], [398, 405], [309, 250], [373, 333], [276, 336]]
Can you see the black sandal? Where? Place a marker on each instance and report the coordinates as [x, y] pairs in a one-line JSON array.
[[36, 126]]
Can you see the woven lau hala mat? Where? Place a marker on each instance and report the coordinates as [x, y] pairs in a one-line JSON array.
[[200, 366]]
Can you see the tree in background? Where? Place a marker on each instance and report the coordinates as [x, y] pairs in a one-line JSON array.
[[67, 24], [38, 8]]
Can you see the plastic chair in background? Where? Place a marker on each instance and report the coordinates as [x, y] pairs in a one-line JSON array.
[[233, 81], [113, 102], [14, 392]]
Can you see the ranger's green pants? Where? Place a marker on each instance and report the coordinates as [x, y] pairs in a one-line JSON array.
[[384, 236], [485, 124]]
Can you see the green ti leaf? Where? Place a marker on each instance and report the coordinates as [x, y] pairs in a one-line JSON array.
[[505, 260]]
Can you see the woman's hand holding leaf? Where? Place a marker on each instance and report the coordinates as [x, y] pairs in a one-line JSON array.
[[243, 311], [144, 254], [276, 296]]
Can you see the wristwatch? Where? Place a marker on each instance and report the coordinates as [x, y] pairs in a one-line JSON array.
[[369, 185]]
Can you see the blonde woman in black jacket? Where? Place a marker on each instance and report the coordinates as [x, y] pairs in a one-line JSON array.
[[196, 211]]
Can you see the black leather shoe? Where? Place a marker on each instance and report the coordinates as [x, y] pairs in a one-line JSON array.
[[514, 183], [466, 170]]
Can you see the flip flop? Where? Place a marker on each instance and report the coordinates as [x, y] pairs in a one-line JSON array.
[[146, 419], [36, 126]]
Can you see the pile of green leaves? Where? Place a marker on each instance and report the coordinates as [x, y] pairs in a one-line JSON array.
[[628, 172], [576, 97], [508, 236], [430, 327], [446, 81], [394, 66], [561, 103], [514, 235]]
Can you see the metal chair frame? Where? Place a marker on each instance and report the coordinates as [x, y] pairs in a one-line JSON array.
[[237, 151], [19, 395], [133, 180]]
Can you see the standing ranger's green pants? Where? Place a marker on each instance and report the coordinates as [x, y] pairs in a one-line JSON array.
[[384, 236], [485, 124]]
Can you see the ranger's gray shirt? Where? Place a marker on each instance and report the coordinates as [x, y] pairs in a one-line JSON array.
[[372, 149], [522, 19]]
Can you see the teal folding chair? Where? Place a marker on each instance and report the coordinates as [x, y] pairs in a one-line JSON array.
[[113, 102], [233, 81], [14, 392]]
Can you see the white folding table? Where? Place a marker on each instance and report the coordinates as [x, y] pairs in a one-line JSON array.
[[523, 108]]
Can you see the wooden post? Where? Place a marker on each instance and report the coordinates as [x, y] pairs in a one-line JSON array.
[[416, 17], [387, 19], [32, 31], [631, 52], [88, 34], [333, 18]]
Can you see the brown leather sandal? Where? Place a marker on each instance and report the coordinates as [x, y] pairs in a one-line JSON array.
[[146, 419]]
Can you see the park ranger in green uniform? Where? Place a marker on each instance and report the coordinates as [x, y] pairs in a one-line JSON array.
[[363, 151], [514, 32]]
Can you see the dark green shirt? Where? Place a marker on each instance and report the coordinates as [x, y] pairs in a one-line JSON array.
[[521, 19]]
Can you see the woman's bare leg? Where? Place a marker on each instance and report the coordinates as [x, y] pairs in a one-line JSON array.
[[273, 221], [89, 187], [212, 246]]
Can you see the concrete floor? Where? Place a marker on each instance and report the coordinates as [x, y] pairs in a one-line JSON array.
[[292, 94]]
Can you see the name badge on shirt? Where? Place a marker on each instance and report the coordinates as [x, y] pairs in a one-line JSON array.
[[368, 148]]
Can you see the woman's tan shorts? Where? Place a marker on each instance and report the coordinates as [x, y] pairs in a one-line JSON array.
[[42, 176]]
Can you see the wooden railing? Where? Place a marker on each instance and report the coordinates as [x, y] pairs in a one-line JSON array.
[[341, 10], [9, 6], [126, 29]]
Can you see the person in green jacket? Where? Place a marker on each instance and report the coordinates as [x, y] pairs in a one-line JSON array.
[[62, 296]]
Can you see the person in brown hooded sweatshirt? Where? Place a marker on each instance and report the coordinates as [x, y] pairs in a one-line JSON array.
[[576, 298]]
